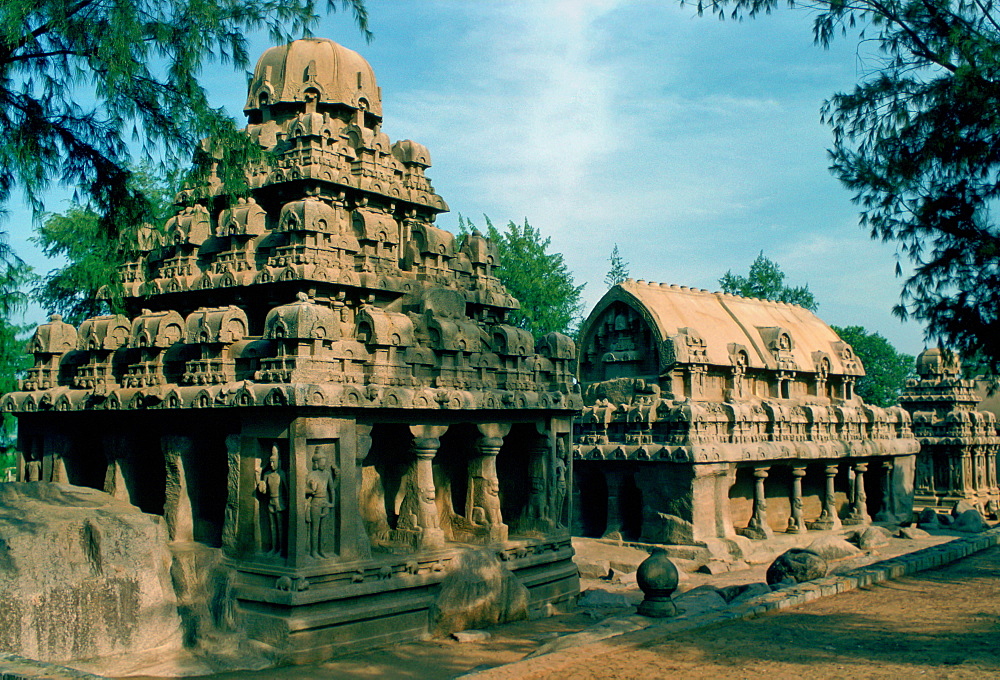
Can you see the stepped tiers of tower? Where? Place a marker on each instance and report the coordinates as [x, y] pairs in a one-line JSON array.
[[318, 381], [708, 416], [958, 442]]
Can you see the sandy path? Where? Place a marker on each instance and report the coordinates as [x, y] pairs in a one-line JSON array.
[[937, 624]]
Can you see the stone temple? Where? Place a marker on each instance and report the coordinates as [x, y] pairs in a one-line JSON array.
[[710, 416], [958, 442], [318, 381]]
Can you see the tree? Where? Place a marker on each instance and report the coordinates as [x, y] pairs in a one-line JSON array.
[[886, 369], [14, 276], [80, 79], [916, 141], [619, 269], [766, 280], [93, 256], [550, 300]]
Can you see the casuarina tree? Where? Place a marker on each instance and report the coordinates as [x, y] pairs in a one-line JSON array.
[[918, 142]]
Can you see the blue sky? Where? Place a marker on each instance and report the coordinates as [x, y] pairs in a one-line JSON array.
[[692, 144]]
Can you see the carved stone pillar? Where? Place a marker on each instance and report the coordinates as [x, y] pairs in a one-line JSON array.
[[758, 528], [859, 502], [56, 448], [425, 449], [486, 488], [964, 486], [115, 451], [887, 513], [613, 524], [231, 516], [828, 519], [177, 507], [796, 524]]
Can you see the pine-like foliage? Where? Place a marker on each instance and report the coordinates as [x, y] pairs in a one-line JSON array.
[[550, 300], [766, 281], [918, 142], [80, 80], [93, 256], [618, 273], [15, 275]]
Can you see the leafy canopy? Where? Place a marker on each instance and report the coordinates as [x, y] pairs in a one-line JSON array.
[[82, 79], [918, 142], [93, 256], [766, 280], [550, 300], [886, 369], [618, 273]]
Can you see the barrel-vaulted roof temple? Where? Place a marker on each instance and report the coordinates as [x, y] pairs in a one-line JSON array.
[[711, 416], [318, 380]]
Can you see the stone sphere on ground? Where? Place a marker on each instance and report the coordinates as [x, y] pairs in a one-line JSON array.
[[798, 565], [657, 577]]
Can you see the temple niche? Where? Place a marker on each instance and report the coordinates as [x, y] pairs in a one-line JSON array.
[[318, 380], [958, 442], [710, 416]]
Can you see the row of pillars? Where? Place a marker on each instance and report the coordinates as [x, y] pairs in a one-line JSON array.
[[758, 527]]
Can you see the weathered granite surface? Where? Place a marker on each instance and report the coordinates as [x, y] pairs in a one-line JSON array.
[[82, 574]]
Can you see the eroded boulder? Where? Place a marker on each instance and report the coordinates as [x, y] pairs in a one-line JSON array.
[[82, 574], [969, 521], [873, 537], [797, 565], [833, 548], [478, 592]]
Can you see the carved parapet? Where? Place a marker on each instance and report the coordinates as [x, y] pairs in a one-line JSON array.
[[49, 344], [245, 219], [219, 325], [303, 319], [156, 330], [189, 227], [377, 327]]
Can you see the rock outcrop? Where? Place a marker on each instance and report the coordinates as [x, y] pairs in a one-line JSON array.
[[82, 574]]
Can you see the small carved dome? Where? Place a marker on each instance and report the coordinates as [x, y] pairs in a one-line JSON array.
[[55, 337], [335, 74], [302, 320], [934, 362], [410, 153]]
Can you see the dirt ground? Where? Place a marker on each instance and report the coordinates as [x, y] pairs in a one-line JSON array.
[[933, 625], [937, 624]]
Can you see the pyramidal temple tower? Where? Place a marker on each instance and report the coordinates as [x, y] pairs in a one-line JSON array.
[[318, 381]]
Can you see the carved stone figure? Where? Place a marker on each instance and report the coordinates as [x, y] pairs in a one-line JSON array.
[[559, 489], [271, 487], [319, 500]]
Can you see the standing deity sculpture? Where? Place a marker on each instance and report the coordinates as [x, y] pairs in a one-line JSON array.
[[319, 500], [536, 513], [271, 487], [560, 486]]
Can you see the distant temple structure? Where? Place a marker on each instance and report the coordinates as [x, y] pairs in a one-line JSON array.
[[318, 380], [958, 442], [708, 416]]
